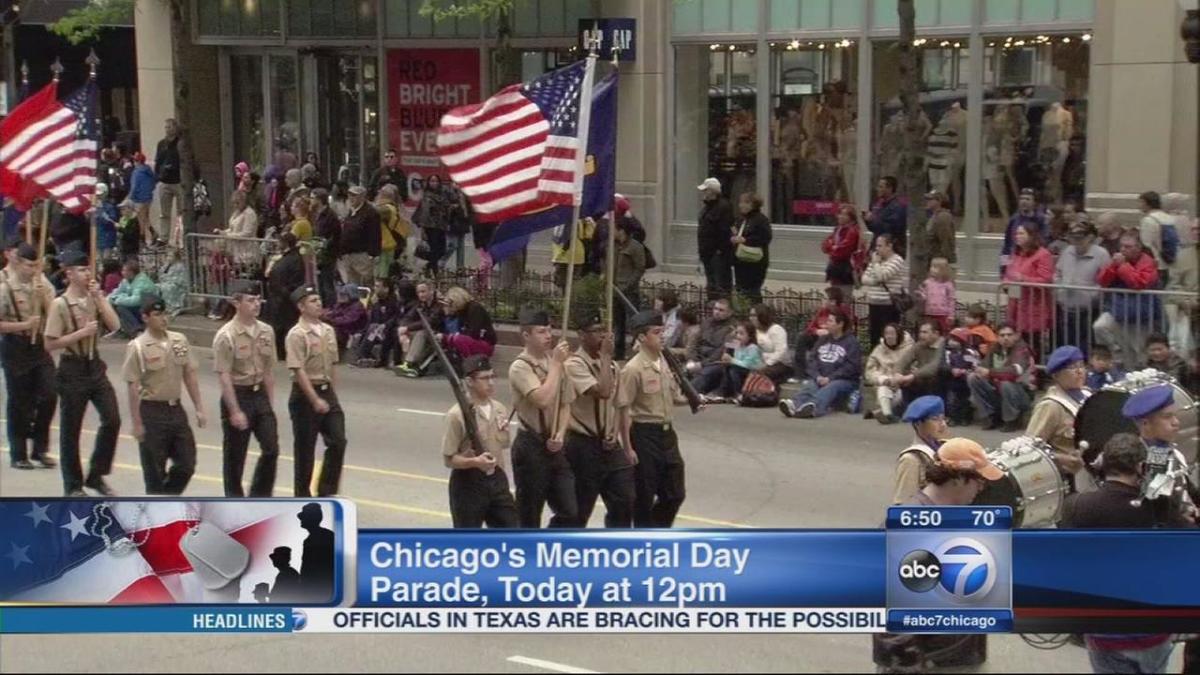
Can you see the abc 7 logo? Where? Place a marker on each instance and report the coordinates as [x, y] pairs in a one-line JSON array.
[[962, 569]]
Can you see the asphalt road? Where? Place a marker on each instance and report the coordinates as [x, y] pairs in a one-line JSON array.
[[745, 468]]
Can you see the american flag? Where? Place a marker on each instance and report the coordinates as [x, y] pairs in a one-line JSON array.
[[517, 151], [61, 551], [50, 148]]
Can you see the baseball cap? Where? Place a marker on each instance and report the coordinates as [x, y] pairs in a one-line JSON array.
[[709, 184], [964, 453], [357, 190]]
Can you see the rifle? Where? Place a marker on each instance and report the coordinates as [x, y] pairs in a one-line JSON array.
[[456, 385], [685, 385]]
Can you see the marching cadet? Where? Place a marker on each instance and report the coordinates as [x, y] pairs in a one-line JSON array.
[[72, 325], [157, 365], [25, 296], [311, 354], [478, 485], [244, 360], [646, 394], [927, 415], [593, 445], [540, 467], [1154, 412], [1053, 418]]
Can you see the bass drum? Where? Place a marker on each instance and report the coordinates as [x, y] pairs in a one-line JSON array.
[[1032, 484], [1100, 418]]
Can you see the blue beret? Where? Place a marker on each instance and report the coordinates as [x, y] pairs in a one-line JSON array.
[[1062, 357], [923, 408], [1148, 401]]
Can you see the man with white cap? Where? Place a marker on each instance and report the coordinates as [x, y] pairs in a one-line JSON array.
[[712, 237]]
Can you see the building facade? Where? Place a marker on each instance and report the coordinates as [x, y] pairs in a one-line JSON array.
[[1089, 101]]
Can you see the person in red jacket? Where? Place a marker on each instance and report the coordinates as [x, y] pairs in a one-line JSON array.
[[840, 246], [1129, 317], [1031, 310]]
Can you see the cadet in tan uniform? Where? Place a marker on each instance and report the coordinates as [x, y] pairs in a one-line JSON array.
[[157, 365], [72, 325], [1053, 418], [25, 297], [927, 415], [540, 467], [244, 360], [478, 485], [311, 354], [646, 394], [593, 444]]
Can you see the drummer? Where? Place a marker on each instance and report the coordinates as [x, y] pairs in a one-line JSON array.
[[1053, 418], [1153, 411], [927, 415]]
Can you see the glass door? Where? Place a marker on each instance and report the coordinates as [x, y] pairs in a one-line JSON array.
[[346, 133]]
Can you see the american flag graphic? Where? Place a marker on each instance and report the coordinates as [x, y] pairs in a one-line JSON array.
[[63, 552], [517, 151], [50, 148]]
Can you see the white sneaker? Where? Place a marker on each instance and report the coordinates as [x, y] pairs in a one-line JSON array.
[[787, 408]]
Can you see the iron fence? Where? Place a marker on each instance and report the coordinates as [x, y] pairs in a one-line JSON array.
[[215, 262]]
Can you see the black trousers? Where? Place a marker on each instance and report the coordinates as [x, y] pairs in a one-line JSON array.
[[168, 439], [659, 475], [718, 272], [284, 315], [603, 473], [306, 426], [542, 476], [749, 278], [264, 427], [436, 240], [81, 381], [620, 320], [879, 316], [477, 498], [31, 403]]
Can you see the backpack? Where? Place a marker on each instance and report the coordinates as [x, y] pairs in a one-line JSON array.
[[1170, 243], [759, 392]]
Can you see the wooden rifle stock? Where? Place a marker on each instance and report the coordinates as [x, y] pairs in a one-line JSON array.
[[685, 385]]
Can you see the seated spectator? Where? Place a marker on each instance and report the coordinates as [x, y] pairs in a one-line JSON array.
[[127, 299], [982, 335], [923, 370], [1191, 376], [173, 283], [378, 340], [1002, 386], [704, 360], [961, 360], [469, 329], [348, 316], [689, 327], [883, 370], [411, 334], [1101, 370], [835, 366], [667, 304], [111, 274], [746, 357], [835, 300], [1128, 315], [1160, 357], [773, 341], [938, 293]]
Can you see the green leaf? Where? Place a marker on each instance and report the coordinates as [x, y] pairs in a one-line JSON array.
[[85, 24]]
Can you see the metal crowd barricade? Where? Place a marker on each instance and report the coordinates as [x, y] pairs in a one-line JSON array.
[[216, 261], [1053, 315]]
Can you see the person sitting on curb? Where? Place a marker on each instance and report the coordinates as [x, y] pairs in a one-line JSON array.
[[836, 368]]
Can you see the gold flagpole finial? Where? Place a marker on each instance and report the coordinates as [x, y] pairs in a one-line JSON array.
[[56, 69], [93, 63]]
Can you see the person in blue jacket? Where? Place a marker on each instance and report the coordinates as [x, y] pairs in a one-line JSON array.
[[835, 366], [888, 216], [141, 193]]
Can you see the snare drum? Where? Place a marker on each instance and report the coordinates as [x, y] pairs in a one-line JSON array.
[[1100, 418], [1032, 484]]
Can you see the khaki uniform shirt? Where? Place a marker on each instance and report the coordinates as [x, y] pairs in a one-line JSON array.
[[247, 354], [157, 366], [31, 299], [67, 315], [647, 388], [1053, 420], [313, 347], [910, 471], [495, 440], [524, 378], [590, 415]]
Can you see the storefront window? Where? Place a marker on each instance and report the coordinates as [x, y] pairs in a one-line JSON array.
[[335, 18], [715, 126], [1034, 123], [246, 84], [943, 122], [225, 19], [285, 112], [814, 96]]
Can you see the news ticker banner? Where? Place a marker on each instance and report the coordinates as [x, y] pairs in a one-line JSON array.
[[931, 570]]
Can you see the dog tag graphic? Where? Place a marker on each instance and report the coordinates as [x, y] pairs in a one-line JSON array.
[[216, 557]]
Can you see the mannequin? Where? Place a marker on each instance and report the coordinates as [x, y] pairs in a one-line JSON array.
[[789, 148], [942, 149], [891, 140], [1057, 126], [848, 157], [956, 117], [993, 171], [1013, 127]]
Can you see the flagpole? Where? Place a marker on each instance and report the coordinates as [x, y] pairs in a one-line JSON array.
[[56, 69], [93, 63], [611, 258]]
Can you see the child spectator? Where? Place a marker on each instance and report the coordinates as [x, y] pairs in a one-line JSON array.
[[961, 360], [348, 316], [380, 333], [129, 232], [982, 335], [746, 358], [1101, 370], [836, 368], [938, 293], [112, 276], [882, 369], [1160, 357], [1191, 377], [689, 329]]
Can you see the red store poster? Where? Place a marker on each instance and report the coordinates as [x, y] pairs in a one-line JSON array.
[[424, 84]]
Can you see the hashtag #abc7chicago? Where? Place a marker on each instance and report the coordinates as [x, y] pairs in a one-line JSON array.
[[960, 571]]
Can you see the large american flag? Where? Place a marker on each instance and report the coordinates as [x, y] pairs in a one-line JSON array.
[[49, 148], [517, 151], [56, 551]]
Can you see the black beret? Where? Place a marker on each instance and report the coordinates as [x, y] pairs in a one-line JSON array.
[[533, 317], [245, 287], [153, 303], [27, 252], [644, 320], [73, 258], [475, 364], [303, 292]]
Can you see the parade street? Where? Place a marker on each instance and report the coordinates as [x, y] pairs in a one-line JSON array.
[[745, 468]]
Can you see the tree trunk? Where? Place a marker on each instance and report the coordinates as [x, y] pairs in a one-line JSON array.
[[508, 71], [912, 153], [187, 159]]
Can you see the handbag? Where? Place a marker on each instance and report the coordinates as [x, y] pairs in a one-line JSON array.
[[759, 392], [902, 301], [748, 254]]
